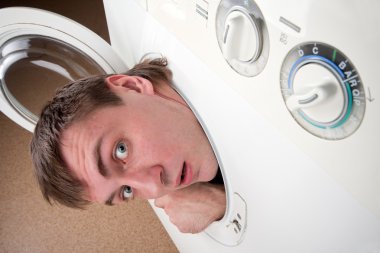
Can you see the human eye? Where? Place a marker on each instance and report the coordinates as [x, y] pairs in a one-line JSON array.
[[126, 192], [121, 150]]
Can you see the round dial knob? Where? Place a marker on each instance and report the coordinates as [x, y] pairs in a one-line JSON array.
[[242, 36], [318, 92], [322, 90]]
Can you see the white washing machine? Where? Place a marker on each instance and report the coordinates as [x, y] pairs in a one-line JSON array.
[[286, 92]]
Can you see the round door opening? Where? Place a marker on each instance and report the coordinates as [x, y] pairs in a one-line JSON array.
[[32, 67]]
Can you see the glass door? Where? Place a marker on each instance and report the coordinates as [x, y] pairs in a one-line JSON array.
[[41, 51]]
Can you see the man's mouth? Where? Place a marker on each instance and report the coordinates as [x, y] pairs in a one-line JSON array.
[[183, 172], [186, 175]]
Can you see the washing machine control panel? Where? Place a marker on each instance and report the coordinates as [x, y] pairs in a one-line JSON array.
[[323, 90]]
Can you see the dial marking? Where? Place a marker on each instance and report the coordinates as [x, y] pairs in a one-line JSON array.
[[334, 55], [349, 79], [290, 24], [370, 98]]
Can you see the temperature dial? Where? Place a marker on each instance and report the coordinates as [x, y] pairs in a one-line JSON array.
[[323, 90], [242, 36]]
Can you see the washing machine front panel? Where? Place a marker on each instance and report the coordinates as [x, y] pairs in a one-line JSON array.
[[291, 26], [41, 51], [301, 192]]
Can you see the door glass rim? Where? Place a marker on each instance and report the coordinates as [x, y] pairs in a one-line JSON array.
[[15, 35]]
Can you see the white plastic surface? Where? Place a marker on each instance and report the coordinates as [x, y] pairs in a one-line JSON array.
[[231, 230], [315, 80], [241, 35]]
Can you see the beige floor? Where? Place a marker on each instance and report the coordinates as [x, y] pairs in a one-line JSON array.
[[28, 224]]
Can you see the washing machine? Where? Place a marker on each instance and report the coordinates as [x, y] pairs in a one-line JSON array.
[[285, 91]]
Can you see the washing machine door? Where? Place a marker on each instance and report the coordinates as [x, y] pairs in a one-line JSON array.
[[41, 51]]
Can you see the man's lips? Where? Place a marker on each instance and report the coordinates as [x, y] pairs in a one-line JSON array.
[[186, 175]]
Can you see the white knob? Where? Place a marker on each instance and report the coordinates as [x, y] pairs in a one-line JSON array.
[[322, 92], [318, 92], [242, 37]]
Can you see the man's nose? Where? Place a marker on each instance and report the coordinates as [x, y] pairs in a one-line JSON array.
[[148, 182]]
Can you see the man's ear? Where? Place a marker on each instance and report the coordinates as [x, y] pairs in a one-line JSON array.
[[125, 83]]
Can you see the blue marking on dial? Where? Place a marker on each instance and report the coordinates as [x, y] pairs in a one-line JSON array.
[[312, 57], [339, 71]]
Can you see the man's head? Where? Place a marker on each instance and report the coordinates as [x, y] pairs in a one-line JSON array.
[[105, 138]]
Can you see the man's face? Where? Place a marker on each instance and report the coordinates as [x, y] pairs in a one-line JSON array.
[[151, 144]]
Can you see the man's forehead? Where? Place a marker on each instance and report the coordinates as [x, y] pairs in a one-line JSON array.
[[81, 148], [87, 125], [77, 150]]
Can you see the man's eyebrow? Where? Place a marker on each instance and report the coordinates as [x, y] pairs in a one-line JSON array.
[[101, 168], [110, 199]]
